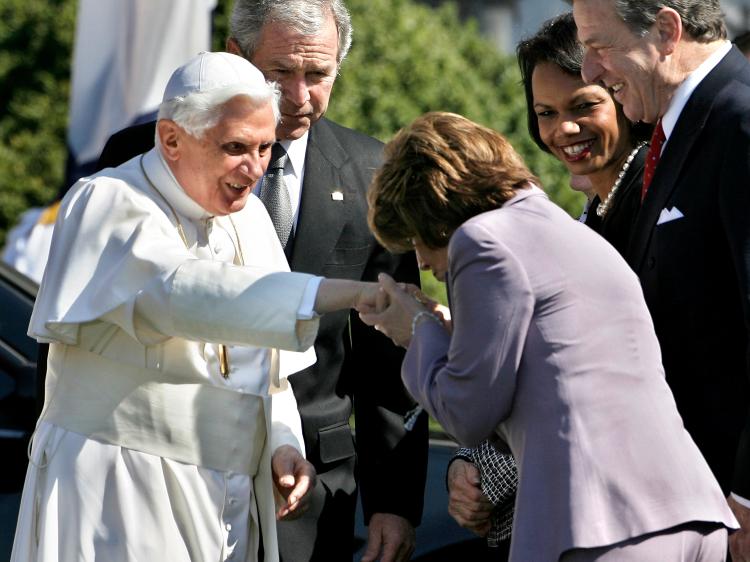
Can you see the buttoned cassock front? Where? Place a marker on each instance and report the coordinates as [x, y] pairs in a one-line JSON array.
[[143, 450]]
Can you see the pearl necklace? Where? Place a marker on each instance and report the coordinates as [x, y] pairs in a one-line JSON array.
[[603, 207]]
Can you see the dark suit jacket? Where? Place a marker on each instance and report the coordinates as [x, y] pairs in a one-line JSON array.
[[356, 365], [695, 271]]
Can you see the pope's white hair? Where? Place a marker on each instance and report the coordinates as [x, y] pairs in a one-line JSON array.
[[199, 111]]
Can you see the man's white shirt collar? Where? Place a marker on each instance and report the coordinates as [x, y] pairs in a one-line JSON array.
[[685, 90], [296, 149]]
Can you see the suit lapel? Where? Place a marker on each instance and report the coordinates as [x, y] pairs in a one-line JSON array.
[[665, 179], [676, 153], [321, 217]]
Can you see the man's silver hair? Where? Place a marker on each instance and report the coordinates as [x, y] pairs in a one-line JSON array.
[[303, 16], [199, 111], [703, 20]]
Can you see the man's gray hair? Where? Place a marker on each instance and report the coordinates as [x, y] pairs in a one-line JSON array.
[[303, 16], [703, 20], [199, 111]]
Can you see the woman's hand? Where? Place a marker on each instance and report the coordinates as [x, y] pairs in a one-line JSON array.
[[371, 298], [396, 309], [466, 503], [439, 310]]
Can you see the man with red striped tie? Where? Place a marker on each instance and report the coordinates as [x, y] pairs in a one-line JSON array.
[[668, 62]]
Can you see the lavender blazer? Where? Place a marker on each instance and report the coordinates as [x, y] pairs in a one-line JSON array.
[[553, 353]]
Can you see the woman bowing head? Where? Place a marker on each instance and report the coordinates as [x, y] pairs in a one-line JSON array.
[[602, 455]]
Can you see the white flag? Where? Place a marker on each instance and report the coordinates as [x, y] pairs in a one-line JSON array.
[[124, 54]]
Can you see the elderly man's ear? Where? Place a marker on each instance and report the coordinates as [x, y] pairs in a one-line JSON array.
[[669, 27], [170, 135], [233, 47]]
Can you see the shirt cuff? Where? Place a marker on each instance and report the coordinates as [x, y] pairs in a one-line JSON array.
[[740, 500], [306, 310], [464, 453]]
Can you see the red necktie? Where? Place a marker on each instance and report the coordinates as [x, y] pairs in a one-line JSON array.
[[652, 158]]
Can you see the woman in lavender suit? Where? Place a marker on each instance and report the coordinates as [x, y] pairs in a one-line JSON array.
[[551, 354]]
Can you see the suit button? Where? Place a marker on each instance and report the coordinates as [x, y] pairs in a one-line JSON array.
[[651, 262]]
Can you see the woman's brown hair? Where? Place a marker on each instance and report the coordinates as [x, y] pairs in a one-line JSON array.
[[440, 171]]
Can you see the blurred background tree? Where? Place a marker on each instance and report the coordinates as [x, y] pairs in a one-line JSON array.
[[406, 59], [36, 38]]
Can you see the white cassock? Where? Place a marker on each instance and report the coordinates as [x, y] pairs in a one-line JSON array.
[[144, 451]]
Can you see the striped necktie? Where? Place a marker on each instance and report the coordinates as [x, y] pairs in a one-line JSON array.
[[275, 195], [652, 158]]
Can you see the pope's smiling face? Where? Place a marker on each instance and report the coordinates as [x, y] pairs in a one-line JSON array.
[[219, 170]]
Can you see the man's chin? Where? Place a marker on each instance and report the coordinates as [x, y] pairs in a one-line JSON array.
[[633, 112], [293, 128], [234, 202]]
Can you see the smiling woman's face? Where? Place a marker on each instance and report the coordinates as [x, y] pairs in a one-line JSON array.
[[578, 122]]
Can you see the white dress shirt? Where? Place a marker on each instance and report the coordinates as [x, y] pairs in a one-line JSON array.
[[687, 87]]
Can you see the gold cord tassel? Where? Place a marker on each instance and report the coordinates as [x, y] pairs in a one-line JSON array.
[[223, 361]]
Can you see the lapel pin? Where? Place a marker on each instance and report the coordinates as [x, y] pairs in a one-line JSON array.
[[337, 196]]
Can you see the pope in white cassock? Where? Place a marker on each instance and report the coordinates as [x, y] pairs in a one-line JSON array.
[[168, 425]]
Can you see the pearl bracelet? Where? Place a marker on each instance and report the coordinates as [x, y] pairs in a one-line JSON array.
[[421, 314]]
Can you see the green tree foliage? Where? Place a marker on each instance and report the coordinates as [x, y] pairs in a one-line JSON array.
[[36, 39], [406, 59]]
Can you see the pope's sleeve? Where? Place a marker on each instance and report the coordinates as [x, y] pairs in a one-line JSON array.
[[116, 253], [224, 303], [286, 425], [467, 380]]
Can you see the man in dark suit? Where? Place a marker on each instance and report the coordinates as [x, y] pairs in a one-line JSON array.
[[669, 63], [300, 44]]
